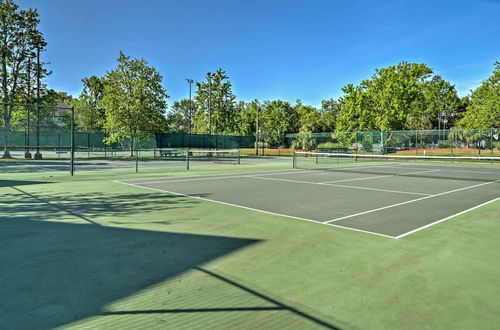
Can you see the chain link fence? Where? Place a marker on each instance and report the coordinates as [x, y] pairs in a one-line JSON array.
[[452, 142]]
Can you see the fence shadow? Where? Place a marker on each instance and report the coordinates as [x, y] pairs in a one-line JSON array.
[[55, 273], [87, 206]]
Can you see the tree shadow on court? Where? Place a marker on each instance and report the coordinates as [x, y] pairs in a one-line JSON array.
[[32, 167], [89, 206], [14, 183]]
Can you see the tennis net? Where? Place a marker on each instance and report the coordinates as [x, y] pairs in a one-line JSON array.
[[214, 156], [435, 167]]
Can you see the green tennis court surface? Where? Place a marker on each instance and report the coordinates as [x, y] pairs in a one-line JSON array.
[[89, 252], [387, 199]]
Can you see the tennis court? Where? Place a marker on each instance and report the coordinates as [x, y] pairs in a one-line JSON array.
[[384, 197]]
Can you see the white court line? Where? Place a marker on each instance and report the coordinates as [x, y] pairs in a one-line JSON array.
[[378, 177], [420, 172], [218, 176], [343, 186], [448, 169], [236, 175], [257, 210], [410, 201], [357, 179], [195, 179], [251, 174], [447, 218]]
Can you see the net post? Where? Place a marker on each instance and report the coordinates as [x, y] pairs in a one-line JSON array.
[[72, 152], [294, 160], [316, 156], [239, 153], [187, 160]]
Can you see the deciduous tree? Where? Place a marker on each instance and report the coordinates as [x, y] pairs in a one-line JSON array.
[[484, 108], [134, 101], [19, 40]]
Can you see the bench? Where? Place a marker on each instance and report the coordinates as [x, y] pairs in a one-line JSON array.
[[170, 152]]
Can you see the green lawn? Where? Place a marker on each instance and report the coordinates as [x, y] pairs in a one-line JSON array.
[[88, 252], [456, 152]]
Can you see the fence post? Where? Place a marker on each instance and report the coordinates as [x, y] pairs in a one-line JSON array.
[[136, 160], [72, 162], [491, 142]]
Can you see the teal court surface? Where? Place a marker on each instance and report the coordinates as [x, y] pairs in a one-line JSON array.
[[387, 199]]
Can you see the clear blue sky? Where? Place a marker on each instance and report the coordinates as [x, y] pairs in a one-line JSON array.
[[270, 49]]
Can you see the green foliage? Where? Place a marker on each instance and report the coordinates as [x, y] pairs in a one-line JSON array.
[[484, 108], [309, 118], [179, 118], [304, 140], [445, 145], [275, 121], [441, 103], [397, 97], [89, 111], [367, 142], [329, 113], [215, 101], [246, 120], [344, 139], [134, 99], [20, 38]]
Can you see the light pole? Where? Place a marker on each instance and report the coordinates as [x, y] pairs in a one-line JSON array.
[[27, 153], [209, 74], [256, 129], [190, 81], [38, 155]]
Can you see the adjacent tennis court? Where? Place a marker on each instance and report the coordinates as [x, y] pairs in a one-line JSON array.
[[376, 196]]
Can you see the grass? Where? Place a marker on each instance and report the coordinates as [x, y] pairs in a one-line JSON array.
[[457, 152], [267, 152], [85, 252]]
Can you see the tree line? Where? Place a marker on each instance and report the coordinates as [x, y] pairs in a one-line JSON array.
[[129, 101], [406, 96]]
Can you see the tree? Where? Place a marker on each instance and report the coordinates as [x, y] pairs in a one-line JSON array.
[[484, 108], [247, 116], [328, 115], [89, 112], [179, 119], [216, 112], [391, 100], [275, 121], [441, 102], [134, 101], [355, 112], [309, 118], [19, 40]]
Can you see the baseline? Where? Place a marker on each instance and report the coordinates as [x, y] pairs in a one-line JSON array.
[[411, 201], [447, 218]]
